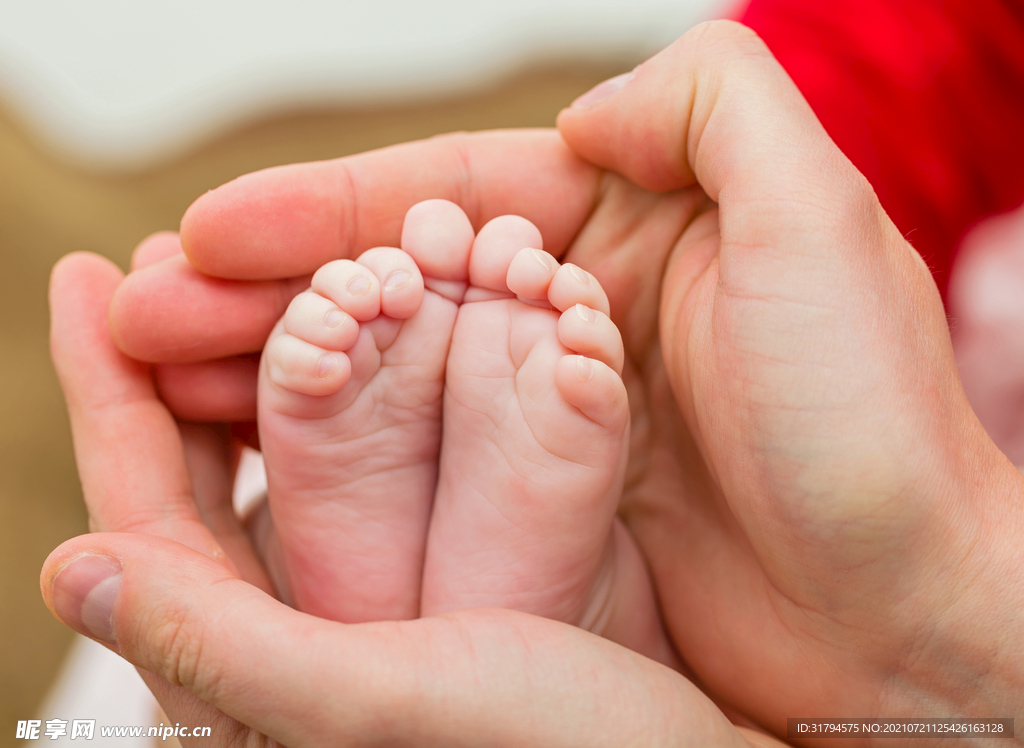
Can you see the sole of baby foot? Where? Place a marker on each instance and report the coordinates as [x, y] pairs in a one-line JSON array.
[[535, 439], [350, 402]]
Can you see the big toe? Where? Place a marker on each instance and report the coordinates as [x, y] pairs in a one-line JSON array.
[[494, 248], [438, 235]]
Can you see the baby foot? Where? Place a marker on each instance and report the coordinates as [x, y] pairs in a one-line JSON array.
[[350, 398], [536, 424]]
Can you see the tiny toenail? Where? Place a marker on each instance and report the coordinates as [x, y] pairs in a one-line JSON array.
[[584, 367], [543, 258], [334, 318], [579, 274], [327, 364], [359, 285], [398, 280], [585, 312]]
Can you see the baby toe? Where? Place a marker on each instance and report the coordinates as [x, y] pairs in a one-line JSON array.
[[592, 334], [438, 236], [351, 286], [530, 273], [573, 285], [319, 321], [594, 389], [298, 366], [400, 280], [494, 248]]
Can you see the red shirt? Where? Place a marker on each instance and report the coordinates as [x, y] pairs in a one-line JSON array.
[[926, 97]]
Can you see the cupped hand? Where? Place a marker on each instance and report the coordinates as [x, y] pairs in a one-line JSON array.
[[170, 582], [829, 528], [832, 510]]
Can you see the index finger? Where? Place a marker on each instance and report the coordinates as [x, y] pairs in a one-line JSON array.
[[290, 220], [285, 222]]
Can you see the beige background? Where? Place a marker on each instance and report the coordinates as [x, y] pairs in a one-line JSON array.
[[48, 209]]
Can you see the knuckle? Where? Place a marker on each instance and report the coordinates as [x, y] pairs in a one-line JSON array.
[[725, 32], [179, 641], [721, 42]]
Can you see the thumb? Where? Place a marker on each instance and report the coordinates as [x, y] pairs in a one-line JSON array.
[[795, 220], [713, 108], [477, 678]]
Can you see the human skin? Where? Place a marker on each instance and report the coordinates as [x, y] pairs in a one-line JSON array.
[[986, 304], [530, 470], [830, 530]]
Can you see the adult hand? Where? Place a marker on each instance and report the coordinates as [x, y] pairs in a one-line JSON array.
[[839, 510], [220, 652], [830, 530]]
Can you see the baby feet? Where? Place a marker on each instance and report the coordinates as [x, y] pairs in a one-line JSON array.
[[520, 486], [535, 434], [350, 393]]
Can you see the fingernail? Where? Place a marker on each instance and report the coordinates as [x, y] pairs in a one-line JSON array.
[[602, 91], [586, 313], [358, 285], [334, 318], [327, 364], [579, 274], [397, 280], [584, 367], [544, 258], [85, 592]]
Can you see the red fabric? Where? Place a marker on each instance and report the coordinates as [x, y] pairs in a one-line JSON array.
[[926, 97]]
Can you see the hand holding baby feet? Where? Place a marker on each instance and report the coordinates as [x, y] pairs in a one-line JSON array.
[[536, 430], [350, 394]]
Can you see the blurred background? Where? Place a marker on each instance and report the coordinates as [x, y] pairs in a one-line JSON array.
[[115, 115]]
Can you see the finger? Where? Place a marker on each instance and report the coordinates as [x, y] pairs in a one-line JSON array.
[[401, 284], [708, 108], [758, 739], [170, 313], [475, 678], [717, 109], [289, 220], [223, 390], [127, 446], [155, 248], [211, 466]]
